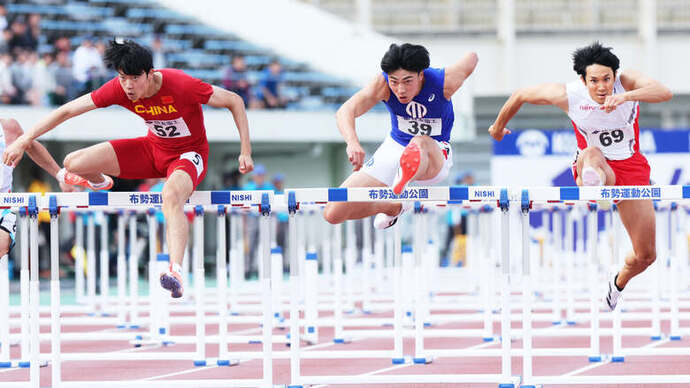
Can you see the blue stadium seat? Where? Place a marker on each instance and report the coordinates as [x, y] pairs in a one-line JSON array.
[[42, 9]]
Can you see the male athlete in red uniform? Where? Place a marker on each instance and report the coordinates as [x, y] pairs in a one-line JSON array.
[[176, 147], [603, 105]]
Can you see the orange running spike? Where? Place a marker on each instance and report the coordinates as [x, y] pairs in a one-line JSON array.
[[409, 164], [76, 180]]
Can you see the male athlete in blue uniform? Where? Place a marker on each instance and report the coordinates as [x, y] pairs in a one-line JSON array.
[[418, 149]]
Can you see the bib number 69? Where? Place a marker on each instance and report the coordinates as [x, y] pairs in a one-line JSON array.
[[608, 138]]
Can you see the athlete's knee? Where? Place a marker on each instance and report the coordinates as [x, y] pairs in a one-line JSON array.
[[645, 257], [593, 154], [72, 162], [422, 142], [332, 214], [172, 197]]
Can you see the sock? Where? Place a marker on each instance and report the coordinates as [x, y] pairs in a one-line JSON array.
[[99, 185], [174, 267], [616, 284], [60, 176]]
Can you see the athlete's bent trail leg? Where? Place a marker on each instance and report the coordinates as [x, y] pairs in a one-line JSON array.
[[176, 191], [592, 169], [337, 212], [422, 159], [640, 222], [91, 162]]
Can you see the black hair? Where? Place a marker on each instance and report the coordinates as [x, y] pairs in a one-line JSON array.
[[128, 57], [410, 57], [594, 53]]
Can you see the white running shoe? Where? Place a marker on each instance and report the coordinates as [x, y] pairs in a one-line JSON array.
[[613, 294], [591, 177], [384, 221]]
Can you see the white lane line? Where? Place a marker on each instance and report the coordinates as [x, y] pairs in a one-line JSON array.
[[394, 367], [598, 364]]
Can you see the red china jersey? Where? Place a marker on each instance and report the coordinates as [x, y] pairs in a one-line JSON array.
[[173, 115]]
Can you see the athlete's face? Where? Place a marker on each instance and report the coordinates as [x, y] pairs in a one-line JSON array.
[[135, 86], [405, 84], [599, 80]]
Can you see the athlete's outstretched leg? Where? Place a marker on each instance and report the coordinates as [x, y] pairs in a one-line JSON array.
[[592, 169], [422, 159], [176, 192], [639, 220], [337, 212], [85, 167]]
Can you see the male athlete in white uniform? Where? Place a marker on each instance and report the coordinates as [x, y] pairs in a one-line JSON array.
[[11, 131], [418, 99], [604, 108]]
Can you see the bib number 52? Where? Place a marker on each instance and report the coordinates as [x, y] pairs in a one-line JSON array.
[[166, 131], [608, 138]]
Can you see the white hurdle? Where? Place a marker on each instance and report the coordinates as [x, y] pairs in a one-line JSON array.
[[672, 249]]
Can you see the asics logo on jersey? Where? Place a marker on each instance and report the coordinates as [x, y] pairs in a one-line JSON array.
[[415, 110], [431, 97]]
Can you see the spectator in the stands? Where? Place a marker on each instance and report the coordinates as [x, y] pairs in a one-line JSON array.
[[5, 40], [44, 81], [232, 180], [235, 79], [21, 40], [64, 81], [62, 44], [7, 89], [3, 17], [258, 180], [34, 28], [158, 53], [23, 75], [86, 63], [269, 86]]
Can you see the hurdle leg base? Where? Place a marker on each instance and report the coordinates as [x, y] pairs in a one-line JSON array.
[[423, 360], [594, 358], [617, 359], [199, 362], [675, 338]]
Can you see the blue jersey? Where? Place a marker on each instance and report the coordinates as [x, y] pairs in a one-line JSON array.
[[429, 113]]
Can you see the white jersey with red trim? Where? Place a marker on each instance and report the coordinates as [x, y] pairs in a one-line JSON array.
[[616, 134]]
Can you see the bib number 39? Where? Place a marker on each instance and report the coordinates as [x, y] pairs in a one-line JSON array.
[[608, 138]]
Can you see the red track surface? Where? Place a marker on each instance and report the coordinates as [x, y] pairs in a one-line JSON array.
[[161, 370]]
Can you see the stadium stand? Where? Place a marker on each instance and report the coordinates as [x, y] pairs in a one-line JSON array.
[[200, 50]]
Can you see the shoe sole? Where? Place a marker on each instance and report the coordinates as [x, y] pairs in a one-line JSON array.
[[171, 284], [591, 178], [409, 164]]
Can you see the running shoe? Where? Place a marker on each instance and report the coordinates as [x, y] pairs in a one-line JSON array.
[[613, 295], [76, 180], [409, 164], [172, 281], [384, 221]]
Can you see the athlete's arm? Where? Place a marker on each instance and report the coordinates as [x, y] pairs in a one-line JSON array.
[[36, 151], [458, 73], [222, 98], [642, 88], [360, 103], [544, 94], [13, 153]]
